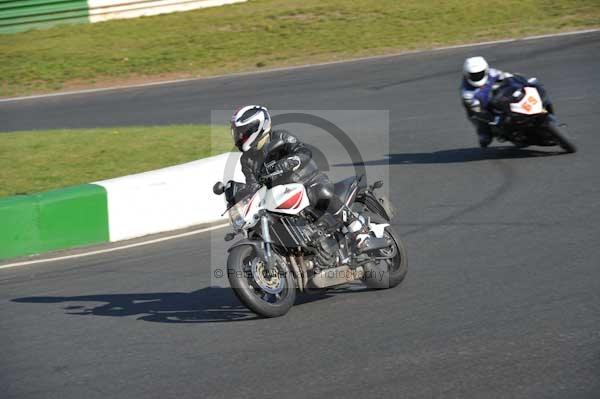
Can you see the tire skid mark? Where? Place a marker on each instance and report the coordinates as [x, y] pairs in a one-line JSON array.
[[507, 182]]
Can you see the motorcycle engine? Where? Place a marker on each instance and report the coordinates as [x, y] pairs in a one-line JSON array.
[[326, 251], [293, 232]]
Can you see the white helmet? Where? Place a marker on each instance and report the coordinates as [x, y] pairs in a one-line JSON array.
[[475, 70], [249, 126]]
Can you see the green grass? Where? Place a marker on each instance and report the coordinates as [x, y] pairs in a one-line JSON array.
[[41, 160], [266, 33]]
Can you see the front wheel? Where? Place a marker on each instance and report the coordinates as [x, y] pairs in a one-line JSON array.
[[561, 139], [267, 294], [391, 265]]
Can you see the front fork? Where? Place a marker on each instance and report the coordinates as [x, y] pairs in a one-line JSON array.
[[267, 242]]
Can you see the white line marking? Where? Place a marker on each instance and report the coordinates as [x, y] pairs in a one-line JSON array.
[[103, 251], [297, 67]]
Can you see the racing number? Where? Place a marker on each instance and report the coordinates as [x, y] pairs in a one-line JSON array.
[[531, 101]]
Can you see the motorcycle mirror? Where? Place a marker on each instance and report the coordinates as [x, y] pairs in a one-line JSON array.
[[377, 184], [218, 188]]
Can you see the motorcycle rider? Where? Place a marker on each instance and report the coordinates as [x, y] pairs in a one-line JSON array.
[[265, 151], [476, 89], [478, 83]]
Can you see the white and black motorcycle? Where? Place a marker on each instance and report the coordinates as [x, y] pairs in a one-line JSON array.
[[289, 246], [524, 116]]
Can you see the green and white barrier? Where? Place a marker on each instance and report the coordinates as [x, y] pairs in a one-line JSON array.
[[52, 220], [117, 209], [167, 199], [21, 15]]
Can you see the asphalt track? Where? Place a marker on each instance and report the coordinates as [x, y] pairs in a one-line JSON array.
[[503, 294]]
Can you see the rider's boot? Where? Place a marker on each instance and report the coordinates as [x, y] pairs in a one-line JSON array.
[[357, 230], [484, 132], [484, 141]]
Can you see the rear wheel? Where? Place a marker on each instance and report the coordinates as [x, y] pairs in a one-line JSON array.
[[267, 294], [391, 268]]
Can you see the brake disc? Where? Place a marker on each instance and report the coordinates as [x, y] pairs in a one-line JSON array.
[[272, 283]]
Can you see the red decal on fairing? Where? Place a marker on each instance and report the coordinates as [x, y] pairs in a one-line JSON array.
[[299, 201], [249, 206], [293, 202]]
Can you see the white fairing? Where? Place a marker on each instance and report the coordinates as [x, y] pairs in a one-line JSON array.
[[531, 103], [287, 198], [256, 204], [378, 228]]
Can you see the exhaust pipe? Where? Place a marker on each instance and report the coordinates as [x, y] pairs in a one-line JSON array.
[[299, 280], [336, 276]]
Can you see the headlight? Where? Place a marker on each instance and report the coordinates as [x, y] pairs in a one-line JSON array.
[[237, 212]]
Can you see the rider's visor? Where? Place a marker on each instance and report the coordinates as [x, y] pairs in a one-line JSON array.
[[476, 76], [241, 134]]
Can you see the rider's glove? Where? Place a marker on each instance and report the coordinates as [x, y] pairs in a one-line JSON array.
[[472, 104], [496, 122], [264, 179], [289, 164]]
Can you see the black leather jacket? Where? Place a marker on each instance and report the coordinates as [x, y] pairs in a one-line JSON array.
[[284, 152]]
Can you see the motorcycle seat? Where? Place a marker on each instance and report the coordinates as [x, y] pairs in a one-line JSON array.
[[344, 188]]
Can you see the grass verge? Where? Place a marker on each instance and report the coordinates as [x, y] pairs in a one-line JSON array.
[[265, 33], [42, 160]]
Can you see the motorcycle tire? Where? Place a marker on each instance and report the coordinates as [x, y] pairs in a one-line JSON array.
[[249, 292], [380, 275], [562, 140]]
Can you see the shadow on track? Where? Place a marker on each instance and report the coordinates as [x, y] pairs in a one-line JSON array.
[[458, 155], [207, 305]]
